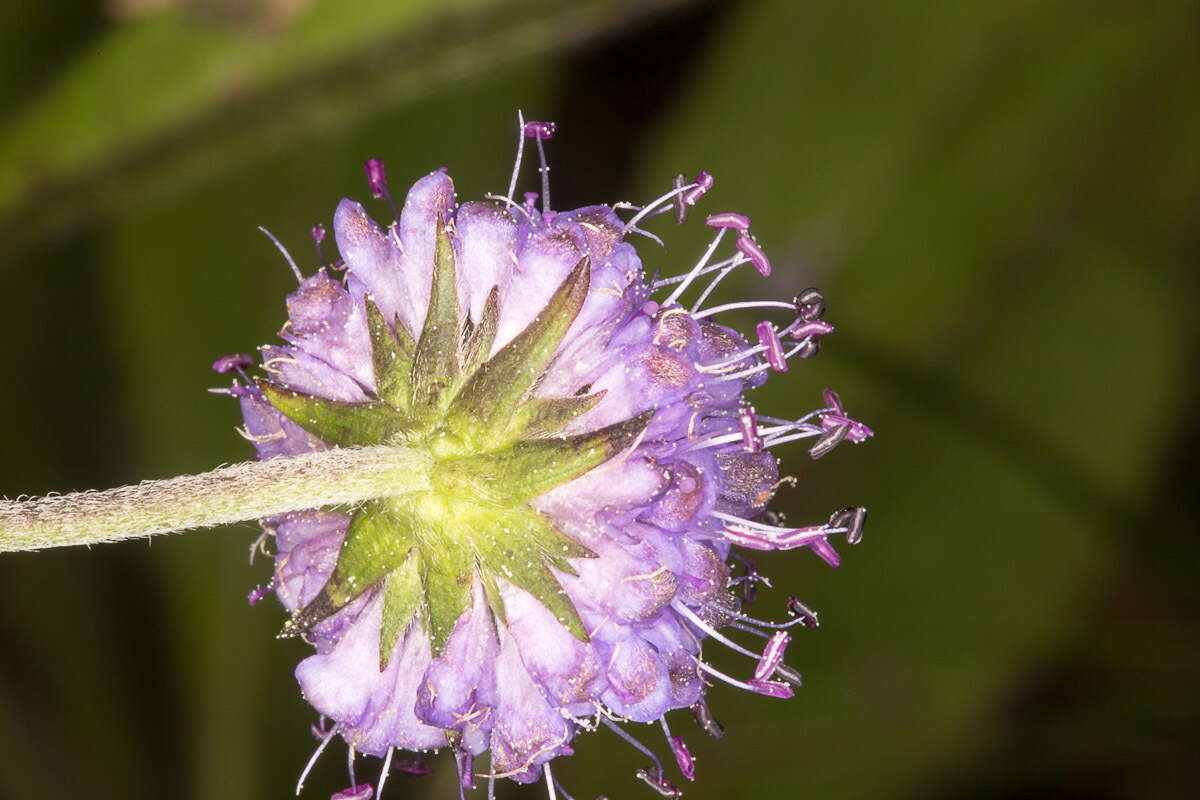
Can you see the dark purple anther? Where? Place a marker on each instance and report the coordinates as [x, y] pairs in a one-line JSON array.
[[854, 525], [681, 208], [362, 791], [318, 233], [751, 250], [832, 400], [809, 349], [229, 363], [808, 617], [810, 304], [728, 219], [827, 441], [540, 130], [658, 783], [683, 757], [376, 177], [703, 182], [749, 423], [769, 339], [771, 688], [705, 719], [789, 676], [772, 655]]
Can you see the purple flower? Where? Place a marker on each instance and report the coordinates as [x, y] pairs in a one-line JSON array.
[[592, 463]]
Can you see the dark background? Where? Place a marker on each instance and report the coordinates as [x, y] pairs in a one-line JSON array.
[[998, 199]]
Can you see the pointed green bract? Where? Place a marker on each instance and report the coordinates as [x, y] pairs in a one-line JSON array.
[[478, 345], [435, 364], [490, 396], [402, 597], [540, 417], [393, 365], [447, 596], [378, 540], [335, 422]]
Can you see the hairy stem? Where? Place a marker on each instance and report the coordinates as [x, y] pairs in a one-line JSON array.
[[244, 491]]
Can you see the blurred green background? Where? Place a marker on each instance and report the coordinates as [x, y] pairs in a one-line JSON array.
[[999, 200]]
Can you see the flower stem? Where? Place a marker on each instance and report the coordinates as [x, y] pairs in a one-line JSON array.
[[245, 491]]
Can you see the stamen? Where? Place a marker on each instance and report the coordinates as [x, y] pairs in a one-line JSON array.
[[313, 760], [377, 180], [619, 731], [350, 764], [772, 655], [658, 204], [539, 132], [728, 219], [761, 367], [769, 339], [512, 183], [853, 519], [558, 785], [679, 748], [681, 208], [318, 236], [768, 688], [789, 676], [753, 251], [291, 262], [711, 631], [492, 770], [731, 264], [360, 791], [803, 330], [705, 719], [549, 776], [749, 424], [464, 761], [383, 774]]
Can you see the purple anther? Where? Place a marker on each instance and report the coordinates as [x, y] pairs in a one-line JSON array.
[[853, 523], [769, 339], [825, 552], [466, 768], [832, 400], [810, 304], [809, 349], [376, 177], [658, 783], [815, 328], [728, 219], [772, 655], [683, 757], [789, 676], [703, 182], [705, 719], [318, 230], [531, 199], [808, 617], [363, 791], [540, 130], [415, 768], [681, 208], [749, 423], [751, 541], [258, 593], [825, 443], [235, 361], [771, 688], [751, 250]]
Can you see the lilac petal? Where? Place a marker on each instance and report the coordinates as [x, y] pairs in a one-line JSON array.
[[568, 670], [371, 255], [485, 252], [305, 373], [529, 731], [430, 198], [273, 434], [639, 682]]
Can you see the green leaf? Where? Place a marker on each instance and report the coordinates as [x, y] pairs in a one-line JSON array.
[[393, 364], [334, 422], [435, 364], [492, 393], [520, 473], [402, 597]]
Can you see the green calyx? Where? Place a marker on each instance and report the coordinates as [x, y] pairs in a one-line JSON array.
[[492, 448]]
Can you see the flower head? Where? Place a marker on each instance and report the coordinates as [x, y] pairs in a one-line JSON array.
[[590, 464]]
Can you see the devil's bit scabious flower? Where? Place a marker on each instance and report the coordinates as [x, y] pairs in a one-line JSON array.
[[590, 462]]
